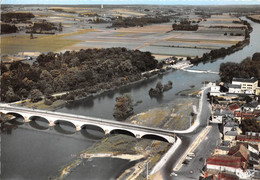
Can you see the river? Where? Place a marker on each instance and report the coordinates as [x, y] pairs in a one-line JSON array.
[[28, 153]]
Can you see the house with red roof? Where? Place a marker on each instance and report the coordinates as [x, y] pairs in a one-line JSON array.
[[226, 163], [239, 151]]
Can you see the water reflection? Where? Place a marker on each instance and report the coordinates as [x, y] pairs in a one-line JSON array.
[[17, 121], [86, 103], [64, 127], [39, 123], [92, 132]]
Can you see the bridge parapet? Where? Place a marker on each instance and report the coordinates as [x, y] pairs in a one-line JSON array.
[[108, 126]]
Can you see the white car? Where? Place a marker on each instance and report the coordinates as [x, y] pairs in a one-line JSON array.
[[187, 157], [191, 154], [173, 174]]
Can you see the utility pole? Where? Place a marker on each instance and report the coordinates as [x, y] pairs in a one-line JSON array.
[[147, 173]]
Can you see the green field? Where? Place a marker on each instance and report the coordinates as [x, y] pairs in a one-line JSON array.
[[40, 43]]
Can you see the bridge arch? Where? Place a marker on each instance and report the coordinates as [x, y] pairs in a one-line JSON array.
[[93, 127], [64, 126], [122, 131], [19, 118], [15, 114], [92, 131], [39, 122], [154, 137]]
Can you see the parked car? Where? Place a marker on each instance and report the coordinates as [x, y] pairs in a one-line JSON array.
[[173, 174]]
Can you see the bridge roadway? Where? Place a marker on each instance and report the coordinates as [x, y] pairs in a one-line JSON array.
[[108, 126]]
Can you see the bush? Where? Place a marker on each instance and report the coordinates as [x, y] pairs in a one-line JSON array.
[[123, 107], [7, 28]]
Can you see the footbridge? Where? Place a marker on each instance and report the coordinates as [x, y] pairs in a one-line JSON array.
[[108, 126]]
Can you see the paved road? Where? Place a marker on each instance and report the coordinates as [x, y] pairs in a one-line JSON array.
[[203, 150]]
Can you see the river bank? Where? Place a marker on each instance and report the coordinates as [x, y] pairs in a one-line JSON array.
[[135, 152], [59, 98]]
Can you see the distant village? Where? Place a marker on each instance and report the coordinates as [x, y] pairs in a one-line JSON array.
[[236, 109]]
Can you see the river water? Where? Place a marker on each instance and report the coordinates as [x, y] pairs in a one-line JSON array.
[[28, 153]]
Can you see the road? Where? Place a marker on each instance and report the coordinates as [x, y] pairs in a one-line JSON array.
[[202, 152]]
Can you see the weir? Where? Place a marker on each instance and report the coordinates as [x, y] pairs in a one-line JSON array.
[[200, 71]]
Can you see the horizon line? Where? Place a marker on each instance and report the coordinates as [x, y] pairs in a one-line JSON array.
[[229, 4]]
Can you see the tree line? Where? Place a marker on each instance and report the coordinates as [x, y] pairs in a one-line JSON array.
[[16, 17], [185, 26], [249, 67], [142, 21], [81, 73], [44, 27], [8, 28]]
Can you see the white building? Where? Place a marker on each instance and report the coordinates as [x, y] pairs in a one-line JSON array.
[[217, 117], [248, 86], [234, 88]]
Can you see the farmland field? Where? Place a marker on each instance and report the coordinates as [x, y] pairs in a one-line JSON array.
[[78, 33], [41, 43]]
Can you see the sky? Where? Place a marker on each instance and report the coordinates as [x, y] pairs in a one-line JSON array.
[[162, 2]]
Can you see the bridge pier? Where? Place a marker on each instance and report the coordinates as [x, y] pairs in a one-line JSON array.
[[138, 136], [26, 119], [106, 132], [51, 123], [78, 127]]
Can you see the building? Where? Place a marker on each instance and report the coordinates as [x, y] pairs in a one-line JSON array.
[[250, 107], [239, 151], [217, 117], [248, 86], [234, 107], [257, 92], [234, 89], [251, 137], [215, 90], [226, 163]]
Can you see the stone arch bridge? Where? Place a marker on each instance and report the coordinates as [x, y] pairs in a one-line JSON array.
[[108, 126]]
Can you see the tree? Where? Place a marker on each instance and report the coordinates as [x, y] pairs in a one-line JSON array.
[[60, 27], [11, 96], [35, 95], [167, 86], [159, 86], [160, 65], [3, 68], [123, 107], [248, 99]]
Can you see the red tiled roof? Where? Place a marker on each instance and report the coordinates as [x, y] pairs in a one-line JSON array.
[[233, 107], [239, 151], [224, 160], [248, 138], [223, 176]]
